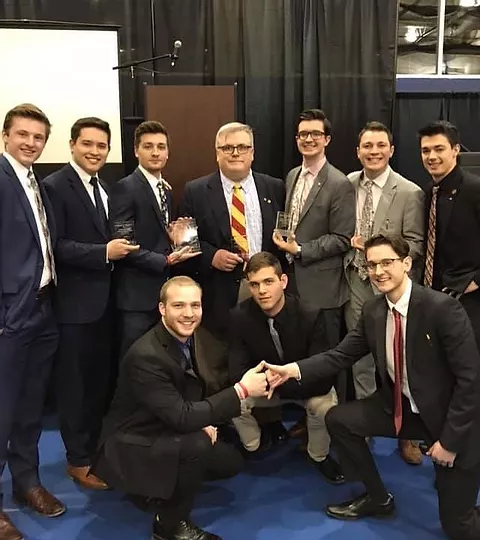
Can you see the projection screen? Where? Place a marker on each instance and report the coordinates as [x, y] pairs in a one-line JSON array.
[[68, 74]]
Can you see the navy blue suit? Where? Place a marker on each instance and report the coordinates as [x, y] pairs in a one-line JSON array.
[[84, 312], [142, 273], [28, 334]]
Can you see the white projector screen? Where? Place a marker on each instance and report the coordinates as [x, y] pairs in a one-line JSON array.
[[68, 74]]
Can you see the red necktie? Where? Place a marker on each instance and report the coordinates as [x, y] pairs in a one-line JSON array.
[[431, 239], [398, 365]]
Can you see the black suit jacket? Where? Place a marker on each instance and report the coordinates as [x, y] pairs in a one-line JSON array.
[[443, 365], [83, 273], [21, 258], [302, 333], [204, 200], [142, 273], [457, 241], [156, 401]]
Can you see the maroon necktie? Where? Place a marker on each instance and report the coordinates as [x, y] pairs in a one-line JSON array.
[[431, 239], [398, 365]]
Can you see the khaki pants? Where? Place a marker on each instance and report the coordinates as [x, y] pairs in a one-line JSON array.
[[317, 407]]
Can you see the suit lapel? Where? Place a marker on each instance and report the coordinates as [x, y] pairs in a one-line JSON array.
[[149, 195], [268, 218], [386, 199], [414, 322], [291, 182], [318, 184], [219, 206], [380, 333], [79, 189]]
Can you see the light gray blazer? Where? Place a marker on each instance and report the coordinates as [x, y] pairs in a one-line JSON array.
[[325, 226], [400, 211]]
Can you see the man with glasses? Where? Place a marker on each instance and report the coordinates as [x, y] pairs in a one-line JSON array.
[[236, 211], [426, 356]]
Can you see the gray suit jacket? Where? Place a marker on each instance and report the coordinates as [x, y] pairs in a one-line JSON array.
[[326, 224], [400, 211]]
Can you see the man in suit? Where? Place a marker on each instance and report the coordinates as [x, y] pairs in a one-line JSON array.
[[235, 210], [158, 439], [279, 329], [28, 334], [143, 199], [452, 254], [386, 203], [426, 356], [83, 302], [321, 202]]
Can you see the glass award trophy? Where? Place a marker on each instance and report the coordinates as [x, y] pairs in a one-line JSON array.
[[284, 224], [124, 229], [185, 234]]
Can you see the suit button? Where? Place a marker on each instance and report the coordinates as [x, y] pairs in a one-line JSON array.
[[177, 439]]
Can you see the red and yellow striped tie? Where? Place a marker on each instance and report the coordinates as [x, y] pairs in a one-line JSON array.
[[239, 228]]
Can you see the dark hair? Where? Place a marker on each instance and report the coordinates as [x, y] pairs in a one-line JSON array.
[[150, 126], [263, 259], [375, 126], [26, 110], [90, 122], [182, 281], [316, 114], [396, 242], [441, 127]]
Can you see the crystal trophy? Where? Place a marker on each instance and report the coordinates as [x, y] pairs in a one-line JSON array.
[[284, 225], [185, 234], [124, 229]]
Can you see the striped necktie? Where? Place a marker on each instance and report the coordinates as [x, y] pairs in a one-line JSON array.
[[431, 239], [238, 220], [365, 226]]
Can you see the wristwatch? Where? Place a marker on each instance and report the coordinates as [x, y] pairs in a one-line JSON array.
[[298, 254]]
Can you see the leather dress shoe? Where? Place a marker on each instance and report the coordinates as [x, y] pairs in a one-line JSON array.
[[330, 470], [277, 432], [265, 445], [410, 452], [8, 531], [40, 500], [185, 530], [362, 507], [86, 479], [299, 430]]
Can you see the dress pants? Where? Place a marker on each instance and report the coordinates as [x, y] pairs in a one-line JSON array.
[[133, 325], [84, 370], [199, 461], [26, 359], [350, 423]]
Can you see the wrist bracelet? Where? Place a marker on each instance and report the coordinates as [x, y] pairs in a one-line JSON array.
[[244, 389]]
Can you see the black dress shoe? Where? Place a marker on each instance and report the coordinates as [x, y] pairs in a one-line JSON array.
[[184, 531], [277, 432], [330, 470], [362, 507], [262, 450]]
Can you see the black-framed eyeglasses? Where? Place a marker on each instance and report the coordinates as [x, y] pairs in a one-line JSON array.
[[385, 264], [315, 134], [230, 148]]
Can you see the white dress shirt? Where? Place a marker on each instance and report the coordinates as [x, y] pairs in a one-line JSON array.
[[402, 307], [377, 189], [253, 211], [85, 178], [22, 175]]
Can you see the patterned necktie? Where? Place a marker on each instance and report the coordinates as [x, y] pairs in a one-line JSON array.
[[431, 239], [365, 227], [43, 222], [398, 368], [239, 223], [102, 215], [275, 338], [163, 204], [300, 195]]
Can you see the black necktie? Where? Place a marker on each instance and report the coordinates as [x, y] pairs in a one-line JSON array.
[[275, 338], [163, 204], [102, 216]]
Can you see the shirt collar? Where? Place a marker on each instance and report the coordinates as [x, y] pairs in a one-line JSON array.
[[246, 183], [316, 167], [84, 176], [381, 179], [451, 182], [20, 170], [152, 179], [402, 304]]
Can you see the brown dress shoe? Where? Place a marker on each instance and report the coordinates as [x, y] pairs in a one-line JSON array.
[[410, 452], [40, 500], [8, 531], [85, 478]]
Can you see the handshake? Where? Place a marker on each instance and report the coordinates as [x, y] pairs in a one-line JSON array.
[[262, 380]]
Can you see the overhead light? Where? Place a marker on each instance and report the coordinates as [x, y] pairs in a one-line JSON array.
[[411, 34], [469, 3]]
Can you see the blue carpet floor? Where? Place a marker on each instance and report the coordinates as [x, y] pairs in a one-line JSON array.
[[277, 499]]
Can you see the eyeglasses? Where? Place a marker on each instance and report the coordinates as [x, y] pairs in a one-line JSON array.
[[385, 264], [230, 148], [315, 134]]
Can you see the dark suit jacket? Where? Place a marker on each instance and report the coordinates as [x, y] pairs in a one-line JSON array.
[[83, 273], [302, 333], [156, 401], [458, 237], [204, 200], [21, 259], [142, 273], [443, 366]]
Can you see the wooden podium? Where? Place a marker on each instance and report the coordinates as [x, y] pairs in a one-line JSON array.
[[192, 116]]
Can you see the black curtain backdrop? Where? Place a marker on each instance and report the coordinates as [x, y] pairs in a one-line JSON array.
[[285, 55], [412, 111]]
